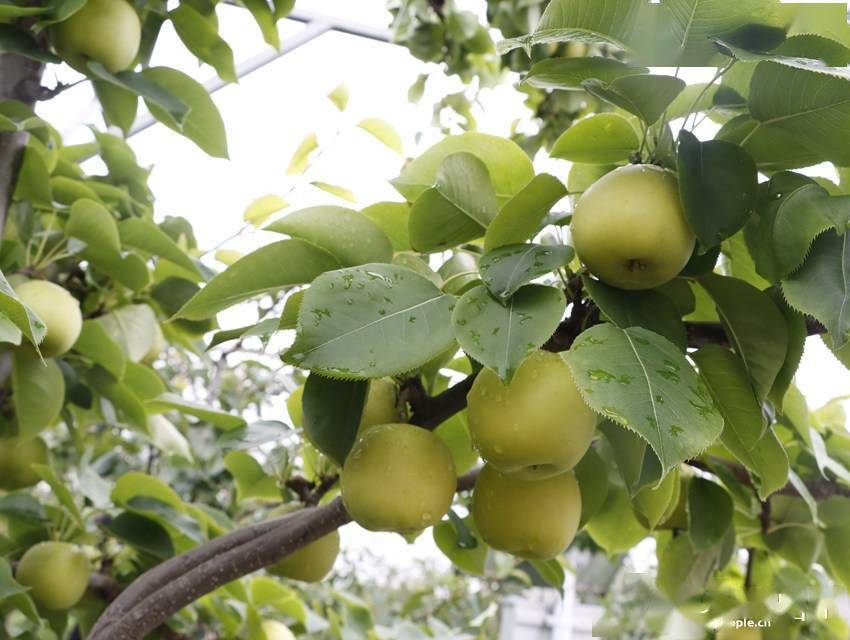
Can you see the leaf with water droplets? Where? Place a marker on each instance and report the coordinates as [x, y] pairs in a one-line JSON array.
[[642, 381], [371, 321], [506, 269], [501, 336]]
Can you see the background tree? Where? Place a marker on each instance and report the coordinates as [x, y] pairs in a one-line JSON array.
[[702, 442]]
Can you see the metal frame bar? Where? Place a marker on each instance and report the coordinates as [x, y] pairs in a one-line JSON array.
[[315, 25]]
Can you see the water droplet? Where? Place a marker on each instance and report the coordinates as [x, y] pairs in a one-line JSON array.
[[426, 515]]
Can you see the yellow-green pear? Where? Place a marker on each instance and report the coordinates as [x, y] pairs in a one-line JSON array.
[[57, 574], [310, 563], [398, 477], [535, 427], [60, 312], [629, 228], [534, 519], [381, 405], [104, 31], [16, 460], [275, 630], [731, 633]]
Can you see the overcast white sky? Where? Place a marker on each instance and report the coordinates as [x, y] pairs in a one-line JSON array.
[[269, 113]]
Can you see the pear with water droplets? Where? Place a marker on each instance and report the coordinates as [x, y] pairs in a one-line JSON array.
[[538, 425], [398, 477], [630, 230], [533, 519]]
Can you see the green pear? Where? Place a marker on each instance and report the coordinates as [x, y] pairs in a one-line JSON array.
[[535, 427], [534, 519], [57, 574], [310, 563], [59, 311], [629, 228], [275, 630], [398, 477], [104, 31], [16, 460]]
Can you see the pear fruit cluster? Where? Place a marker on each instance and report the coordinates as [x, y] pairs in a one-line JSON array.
[[629, 228], [531, 433]]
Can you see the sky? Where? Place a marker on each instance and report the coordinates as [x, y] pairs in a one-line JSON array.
[[268, 114]]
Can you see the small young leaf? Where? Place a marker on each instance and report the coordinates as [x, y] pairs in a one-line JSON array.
[[384, 132], [501, 335], [506, 269], [301, 158], [263, 208]]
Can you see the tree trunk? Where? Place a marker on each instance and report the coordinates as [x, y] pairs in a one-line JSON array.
[[20, 79]]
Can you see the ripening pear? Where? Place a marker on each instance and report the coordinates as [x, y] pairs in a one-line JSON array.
[[381, 405], [57, 574], [398, 477], [310, 563], [104, 31], [534, 519], [60, 312], [275, 630], [629, 228], [16, 460], [731, 633], [535, 427]]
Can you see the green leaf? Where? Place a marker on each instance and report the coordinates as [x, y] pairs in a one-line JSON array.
[[153, 92], [797, 334], [384, 132], [638, 465], [393, 220], [120, 105], [267, 269], [717, 184], [644, 382], [173, 402], [603, 138], [38, 392], [142, 533], [592, 484], [683, 571], [200, 35], [454, 433], [134, 483], [646, 96], [801, 217], [93, 224], [821, 288], [614, 527], [501, 335], [521, 216], [811, 114], [145, 236], [745, 430], [8, 586], [709, 513], [506, 269], [33, 182], [371, 321], [251, 480], [797, 62], [21, 316], [471, 559], [301, 158], [266, 20], [96, 344], [347, 235], [133, 328], [464, 181], [335, 190], [435, 224], [648, 309], [62, 493], [332, 410], [126, 404], [263, 208], [754, 325], [339, 97], [569, 73], [203, 124], [20, 41], [507, 164], [771, 148], [834, 512]]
